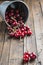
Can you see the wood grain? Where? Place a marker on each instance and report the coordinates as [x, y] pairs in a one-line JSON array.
[[11, 50], [5, 53], [38, 28], [16, 52]]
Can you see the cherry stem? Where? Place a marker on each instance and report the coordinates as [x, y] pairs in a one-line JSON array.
[[16, 26], [14, 20]]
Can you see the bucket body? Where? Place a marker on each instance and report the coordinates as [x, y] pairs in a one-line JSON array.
[[5, 5], [3, 8]]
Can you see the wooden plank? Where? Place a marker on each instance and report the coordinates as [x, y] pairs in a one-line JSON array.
[[25, 41], [31, 39], [29, 43], [16, 52], [38, 28], [5, 53], [2, 36], [1, 44], [41, 4]]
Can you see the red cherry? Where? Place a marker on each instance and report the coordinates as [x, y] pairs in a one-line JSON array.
[[22, 24], [14, 17], [27, 28], [17, 11], [26, 57], [12, 14], [19, 32], [29, 32], [11, 21], [33, 56], [11, 34], [20, 18], [14, 23], [9, 14], [9, 28], [19, 22], [12, 10], [17, 15], [22, 35], [17, 35], [22, 29], [25, 32]]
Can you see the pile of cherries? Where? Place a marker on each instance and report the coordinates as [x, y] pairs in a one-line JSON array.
[[17, 29], [15, 20], [29, 56]]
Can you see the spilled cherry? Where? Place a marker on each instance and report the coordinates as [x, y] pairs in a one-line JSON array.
[[26, 57]]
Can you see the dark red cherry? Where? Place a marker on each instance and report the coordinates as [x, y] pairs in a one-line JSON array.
[[22, 29], [26, 57], [14, 23], [19, 32], [17, 15], [27, 28], [17, 11], [12, 14], [25, 32], [9, 28], [33, 56], [12, 10], [11, 34], [22, 35], [29, 32], [17, 35]]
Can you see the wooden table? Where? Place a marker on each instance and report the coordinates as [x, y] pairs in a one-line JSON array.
[[11, 50]]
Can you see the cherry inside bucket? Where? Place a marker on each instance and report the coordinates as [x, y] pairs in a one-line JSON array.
[[18, 10], [16, 16]]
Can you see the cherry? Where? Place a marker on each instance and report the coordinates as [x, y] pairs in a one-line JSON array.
[[17, 11], [29, 32], [20, 18], [20, 21], [17, 35], [12, 10], [26, 57], [14, 17], [22, 24], [12, 14], [27, 28], [25, 32], [22, 35], [11, 21], [18, 24], [33, 56], [11, 34], [9, 28], [17, 15], [9, 14], [19, 32], [14, 23], [22, 29]]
